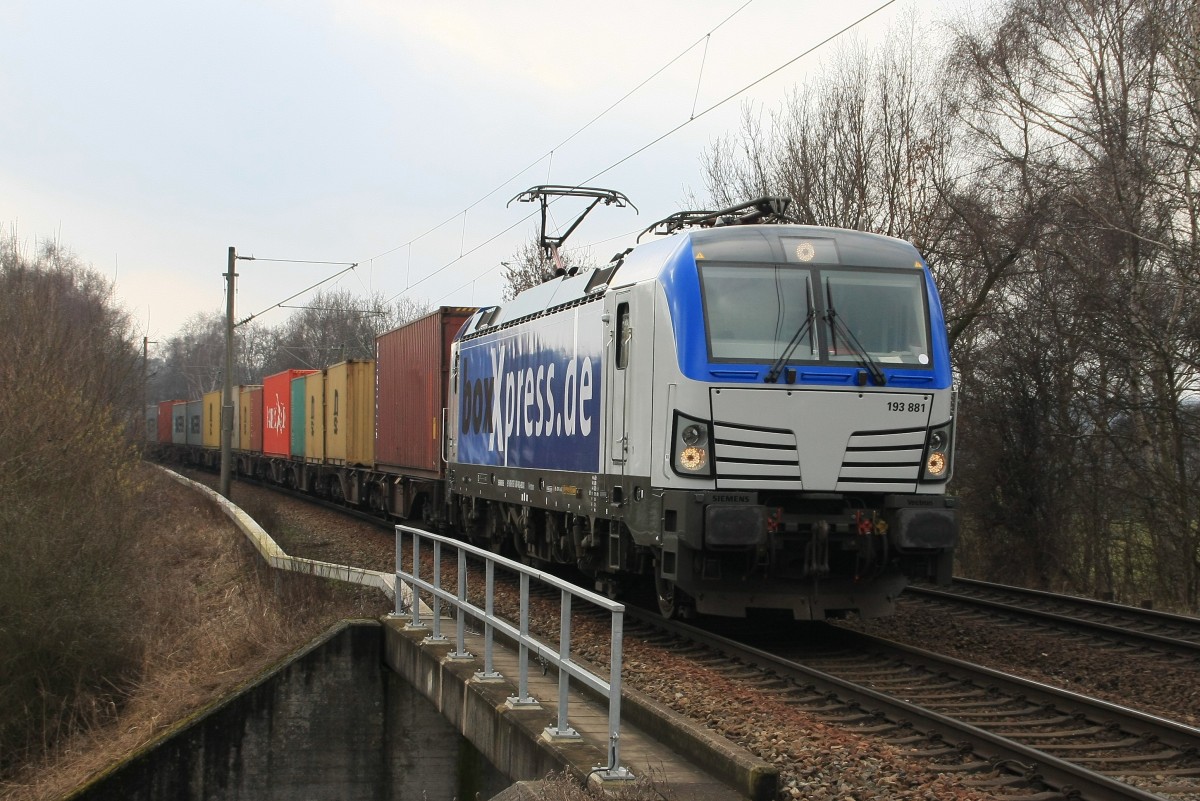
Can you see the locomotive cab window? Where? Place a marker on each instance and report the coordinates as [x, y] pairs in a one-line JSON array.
[[758, 313], [885, 311], [624, 334], [753, 311]]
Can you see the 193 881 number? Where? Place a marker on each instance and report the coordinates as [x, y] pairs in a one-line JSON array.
[[901, 406]]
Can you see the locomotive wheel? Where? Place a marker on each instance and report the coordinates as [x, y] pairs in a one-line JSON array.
[[670, 599], [474, 524]]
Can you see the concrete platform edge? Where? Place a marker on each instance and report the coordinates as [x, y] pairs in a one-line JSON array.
[[512, 737], [737, 767], [509, 738]]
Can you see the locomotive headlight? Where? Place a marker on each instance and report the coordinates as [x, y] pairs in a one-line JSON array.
[[694, 437], [690, 447], [693, 459], [937, 454]]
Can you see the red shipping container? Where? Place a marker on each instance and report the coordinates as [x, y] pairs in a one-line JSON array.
[[277, 412], [412, 375], [165, 420]]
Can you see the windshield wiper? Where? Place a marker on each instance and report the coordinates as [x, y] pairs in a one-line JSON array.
[[838, 326], [777, 368]]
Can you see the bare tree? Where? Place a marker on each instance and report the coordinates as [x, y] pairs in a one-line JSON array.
[[331, 327], [530, 267], [1046, 166], [70, 387], [1078, 105]]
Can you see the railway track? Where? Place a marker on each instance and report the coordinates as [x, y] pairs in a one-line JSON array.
[[1013, 735], [1009, 737], [1122, 626]]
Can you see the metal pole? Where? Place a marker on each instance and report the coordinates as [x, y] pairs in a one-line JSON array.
[[614, 693], [437, 636], [564, 675], [145, 416], [460, 651], [416, 574], [523, 651], [399, 569], [227, 396], [489, 671]]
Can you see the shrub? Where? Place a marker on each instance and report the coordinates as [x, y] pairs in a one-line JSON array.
[[69, 391]]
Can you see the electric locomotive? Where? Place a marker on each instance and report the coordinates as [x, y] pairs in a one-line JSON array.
[[744, 414]]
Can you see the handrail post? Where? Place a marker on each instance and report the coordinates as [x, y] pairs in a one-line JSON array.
[[437, 636], [563, 731], [613, 769], [528, 645], [416, 574], [523, 697], [460, 649], [399, 569], [489, 606]]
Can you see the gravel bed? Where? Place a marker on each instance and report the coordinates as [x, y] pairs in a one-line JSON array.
[[816, 760], [1148, 681]]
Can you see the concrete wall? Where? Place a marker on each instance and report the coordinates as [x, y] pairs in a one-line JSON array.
[[331, 723]]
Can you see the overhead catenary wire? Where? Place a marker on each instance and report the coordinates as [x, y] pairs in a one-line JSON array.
[[1066, 139], [302, 291], [667, 134], [550, 153]]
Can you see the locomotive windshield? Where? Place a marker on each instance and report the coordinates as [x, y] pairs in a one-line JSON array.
[[753, 311]]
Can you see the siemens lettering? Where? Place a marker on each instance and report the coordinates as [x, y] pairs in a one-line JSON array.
[[530, 397]]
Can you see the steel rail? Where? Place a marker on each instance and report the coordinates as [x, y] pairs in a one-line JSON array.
[[1188, 627], [1062, 774]]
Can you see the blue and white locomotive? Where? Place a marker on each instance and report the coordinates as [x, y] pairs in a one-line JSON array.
[[741, 416]]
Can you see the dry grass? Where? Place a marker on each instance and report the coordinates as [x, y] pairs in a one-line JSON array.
[[565, 787], [212, 618]]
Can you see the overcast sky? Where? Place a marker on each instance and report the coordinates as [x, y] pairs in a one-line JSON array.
[[151, 136]]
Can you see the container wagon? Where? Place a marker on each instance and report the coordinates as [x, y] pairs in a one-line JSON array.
[[412, 366]]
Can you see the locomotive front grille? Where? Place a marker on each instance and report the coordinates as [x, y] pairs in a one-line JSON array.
[[882, 461], [747, 457], [821, 440]]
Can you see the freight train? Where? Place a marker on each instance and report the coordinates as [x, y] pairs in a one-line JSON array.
[[738, 416]]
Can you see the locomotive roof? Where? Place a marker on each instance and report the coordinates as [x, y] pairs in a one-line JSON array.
[[743, 243]]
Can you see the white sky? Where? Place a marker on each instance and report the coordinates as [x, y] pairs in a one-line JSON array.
[[151, 136]]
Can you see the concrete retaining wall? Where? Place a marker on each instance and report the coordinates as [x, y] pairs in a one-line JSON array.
[[330, 723]]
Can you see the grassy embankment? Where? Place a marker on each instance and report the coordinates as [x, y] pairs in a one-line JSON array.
[[194, 615]]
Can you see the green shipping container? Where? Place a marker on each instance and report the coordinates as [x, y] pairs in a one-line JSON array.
[[299, 429]]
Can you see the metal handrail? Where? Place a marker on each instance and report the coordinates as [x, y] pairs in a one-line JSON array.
[[560, 658]]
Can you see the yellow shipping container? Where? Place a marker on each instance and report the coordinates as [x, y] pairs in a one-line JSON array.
[[314, 417], [249, 433], [211, 424], [350, 413]]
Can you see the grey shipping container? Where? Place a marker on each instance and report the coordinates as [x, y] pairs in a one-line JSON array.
[[150, 430], [179, 424], [195, 418]]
